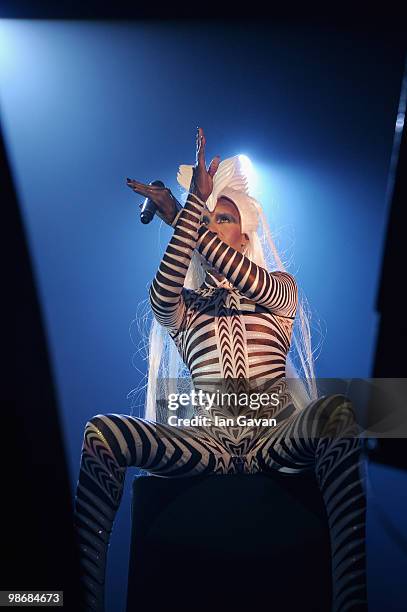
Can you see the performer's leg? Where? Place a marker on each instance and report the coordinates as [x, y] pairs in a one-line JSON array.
[[324, 437], [111, 443]]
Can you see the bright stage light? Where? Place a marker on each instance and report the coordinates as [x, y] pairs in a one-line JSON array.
[[248, 169]]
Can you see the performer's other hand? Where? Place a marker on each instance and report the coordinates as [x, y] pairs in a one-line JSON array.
[[161, 196], [202, 179]]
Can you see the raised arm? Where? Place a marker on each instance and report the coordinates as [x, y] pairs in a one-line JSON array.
[[165, 292], [167, 288], [276, 291]]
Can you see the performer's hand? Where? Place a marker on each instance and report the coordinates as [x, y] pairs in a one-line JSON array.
[[161, 196], [202, 179]]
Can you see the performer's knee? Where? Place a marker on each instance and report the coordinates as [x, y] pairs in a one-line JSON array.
[[98, 427], [336, 415], [96, 422]]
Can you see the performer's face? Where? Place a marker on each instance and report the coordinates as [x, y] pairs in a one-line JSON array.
[[225, 222]]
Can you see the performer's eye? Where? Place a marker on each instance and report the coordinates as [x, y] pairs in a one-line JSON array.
[[224, 218]]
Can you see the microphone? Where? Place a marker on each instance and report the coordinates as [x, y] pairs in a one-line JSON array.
[[148, 208]]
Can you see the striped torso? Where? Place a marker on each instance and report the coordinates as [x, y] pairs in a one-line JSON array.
[[226, 335]]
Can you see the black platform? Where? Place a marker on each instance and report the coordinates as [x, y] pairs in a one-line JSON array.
[[234, 542]]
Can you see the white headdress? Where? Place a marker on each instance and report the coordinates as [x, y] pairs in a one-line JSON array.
[[230, 182]]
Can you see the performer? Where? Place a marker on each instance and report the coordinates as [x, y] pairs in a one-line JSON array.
[[230, 322]]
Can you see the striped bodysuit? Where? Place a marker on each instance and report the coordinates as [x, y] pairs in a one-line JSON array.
[[235, 330]]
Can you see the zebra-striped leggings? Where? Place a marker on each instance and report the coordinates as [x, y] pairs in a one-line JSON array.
[[323, 437]]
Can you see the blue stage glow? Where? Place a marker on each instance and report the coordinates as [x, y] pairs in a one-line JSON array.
[[400, 122]]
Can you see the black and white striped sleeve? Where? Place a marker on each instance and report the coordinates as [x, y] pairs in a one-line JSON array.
[[276, 291], [166, 290]]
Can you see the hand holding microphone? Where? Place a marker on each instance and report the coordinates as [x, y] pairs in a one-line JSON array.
[[158, 200]]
